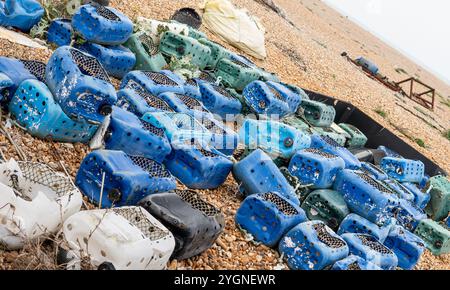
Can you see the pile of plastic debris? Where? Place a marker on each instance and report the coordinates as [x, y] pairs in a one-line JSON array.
[[366, 210]]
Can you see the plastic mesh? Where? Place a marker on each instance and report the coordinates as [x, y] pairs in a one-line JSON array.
[[240, 63], [89, 65], [223, 92], [192, 83], [320, 153], [326, 238], [203, 151], [152, 167], [330, 141], [354, 266], [191, 103], [196, 202], [160, 79], [369, 180], [152, 129], [106, 13], [148, 44], [282, 205], [188, 16], [212, 127], [42, 174], [376, 168], [374, 244], [150, 99], [137, 218], [36, 68]]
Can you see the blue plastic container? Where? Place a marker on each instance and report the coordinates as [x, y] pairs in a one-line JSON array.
[[366, 196], [15, 72], [60, 32], [421, 198], [368, 65], [155, 82], [409, 215], [182, 103], [291, 98], [34, 108], [21, 14], [80, 85], [268, 216], [315, 167], [389, 152], [312, 246], [356, 224], [257, 173], [372, 250], [374, 171], [192, 86], [128, 179], [401, 191], [274, 138], [102, 25], [353, 262], [328, 145], [126, 132], [224, 139], [265, 100], [407, 247], [117, 60], [198, 165], [218, 100], [403, 170]]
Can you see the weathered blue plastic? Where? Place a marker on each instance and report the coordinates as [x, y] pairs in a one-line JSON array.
[[265, 100], [292, 99], [218, 100], [367, 64], [126, 132], [35, 109], [407, 247], [366, 196], [274, 138], [389, 152], [102, 25], [60, 32], [257, 173], [21, 14], [356, 224], [80, 84], [409, 215], [16, 71], [268, 216], [403, 170], [328, 145], [224, 139], [128, 179], [372, 250], [421, 198], [312, 246], [155, 82], [353, 262], [117, 60], [374, 171], [191, 86], [182, 103], [315, 167], [5, 83], [198, 165], [401, 191]]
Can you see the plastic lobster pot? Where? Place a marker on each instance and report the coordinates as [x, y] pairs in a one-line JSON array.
[[315, 167], [318, 114], [296, 90], [198, 166], [296, 122], [330, 146], [236, 74], [191, 86], [34, 203], [195, 223], [128, 179], [275, 138], [403, 170], [21, 14], [127, 238], [329, 132], [136, 99], [265, 100], [35, 109], [356, 224], [354, 263], [217, 52], [80, 85], [374, 171], [292, 99], [435, 236], [117, 60], [182, 103], [179, 46], [155, 82], [268, 216], [421, 198], [257, 173], [409, 215], [372, 250], [102, 25], [312, 246], [401, 191], [366, 196], [148, 56], [60, 32], [128, 133], [439, 205], [219, 101], [407, 247], [327, 206], [357, 138]]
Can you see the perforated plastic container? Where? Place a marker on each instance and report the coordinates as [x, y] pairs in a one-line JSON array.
[[407, 247], [265, 100], [403, 170], [435, 236], [148, 56], [60, 32], [155, 82], [318, 114], [330, 146], [439, 205], [354, 223], [354, 263]]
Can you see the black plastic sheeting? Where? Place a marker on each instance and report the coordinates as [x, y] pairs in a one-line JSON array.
[[377, 134]]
